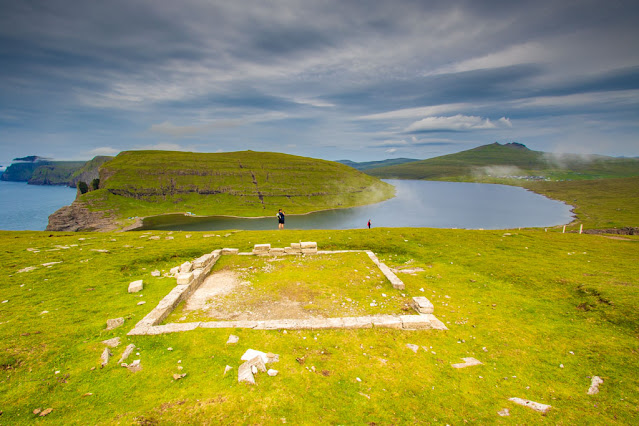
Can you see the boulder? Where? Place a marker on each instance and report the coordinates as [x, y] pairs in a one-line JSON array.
[[136, 286], [261, 248], [112, 343], [106, 355]]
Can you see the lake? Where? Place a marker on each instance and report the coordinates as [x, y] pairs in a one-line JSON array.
[[27, 207], [418, 204]]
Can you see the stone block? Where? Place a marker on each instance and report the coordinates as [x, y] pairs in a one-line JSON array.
[[415, 322], [186, 267], [172, 328], [230, 251], [106, 355], [308, 245], [114, 323], [468, 362], [297, 246], [202, 261], [112, 343], [128, 351], [135, 286], [435, 323], [276, 252], [423, 305], [386, 321], [261, 248], [184, 278], [233, 339], [542, 408], [291, 250], [197, 273], [309, 251], [175, 271], [357, 322]]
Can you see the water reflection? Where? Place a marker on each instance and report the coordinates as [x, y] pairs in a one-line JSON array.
[[418, 204]]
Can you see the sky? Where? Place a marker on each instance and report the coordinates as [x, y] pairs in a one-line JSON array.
[[358, 80]]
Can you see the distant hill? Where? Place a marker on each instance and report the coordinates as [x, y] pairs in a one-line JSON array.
[[374, 164], [38, 171], [246, 183], [512, 161]]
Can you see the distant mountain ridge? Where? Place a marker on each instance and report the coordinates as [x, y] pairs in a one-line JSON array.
[[511, 161], [375, 164], [37, 170]]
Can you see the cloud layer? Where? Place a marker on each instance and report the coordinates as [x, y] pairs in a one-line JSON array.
[[327, 79]]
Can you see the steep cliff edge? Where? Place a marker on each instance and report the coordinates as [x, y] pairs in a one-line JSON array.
[[250, 184], [77, 217]]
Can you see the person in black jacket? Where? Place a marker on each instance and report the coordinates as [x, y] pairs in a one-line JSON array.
[[280, 219]]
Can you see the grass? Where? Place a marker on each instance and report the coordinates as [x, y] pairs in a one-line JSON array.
[[294, 287], [532, 299], [251, 184], [496, 161]]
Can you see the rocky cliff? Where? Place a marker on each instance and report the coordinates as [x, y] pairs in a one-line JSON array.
[[77, 217]]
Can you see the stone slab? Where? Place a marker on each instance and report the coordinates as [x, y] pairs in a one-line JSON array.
[[135, 286], [357, 322], [114, 323], [415, 322], [594, 385], [309, 251], [112, 343], [277, 251], [228, 251], [308, 245], [542, 408], [202, 261], [186, 267], [386, 321], [106, 355], [184, 278], [290, 250], [296, 246], [172, 328], [261, 248], [128, 351], [468, 362], [422, 305]]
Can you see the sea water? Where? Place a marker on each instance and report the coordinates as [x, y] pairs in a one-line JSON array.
[[27, 207]]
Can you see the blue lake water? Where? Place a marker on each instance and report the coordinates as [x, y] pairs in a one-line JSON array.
[[27, 207], [417, 204]]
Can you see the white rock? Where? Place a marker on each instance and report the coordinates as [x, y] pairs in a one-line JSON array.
[[106, 355], [127, 352], [141, 303], [468, 362], [174, 271], [114, 323], [227, 369], [272, 372], [542, 408], [135, 286], [169, 349], [4, 301], [112, 343], [186, 267], [504, 413], [232, 340], [184, 278], [594, 385], [253, 369], [412, 347], [155, 273], [358, 379], [252, 353]]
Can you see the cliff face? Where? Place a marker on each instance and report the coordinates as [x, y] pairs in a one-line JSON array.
[[77, 217], [90, 171]]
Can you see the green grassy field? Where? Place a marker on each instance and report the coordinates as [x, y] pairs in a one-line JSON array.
[[146, 183], [525, 303], [496, 161]]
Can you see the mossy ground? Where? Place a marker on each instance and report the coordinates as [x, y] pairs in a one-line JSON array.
[[533, 299]]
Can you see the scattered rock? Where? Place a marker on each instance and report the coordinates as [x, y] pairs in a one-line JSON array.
[[28, 269], [245, 372], [155, 237], [112, 343], [155, 273], [468, 362], [106, 355], [250, 354], [504, 413], [4, 301], [179, 376], [100, 250], [272, 372], [594, 385], [37, 411], [233, 340], [45, 412], [561, 366], [422, 305], [141, 303], [185, 267], [50, 264], [135, 366], [542, 408], [484, 349], [46, 312], [135, 286], [169, 349], [187, 236], [227, 369], [114, 323], [169, 238], [129, 349], [87, 394], [412, 347], [174, 271]]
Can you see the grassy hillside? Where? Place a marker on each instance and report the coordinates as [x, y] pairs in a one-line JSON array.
[[143, 183], [55, 172], [511, 162], [543, 312], [19, 172], [374, 164], [89, 171]]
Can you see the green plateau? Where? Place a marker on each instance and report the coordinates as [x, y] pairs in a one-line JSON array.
[[37, 171], [510, 163], [247, 183]]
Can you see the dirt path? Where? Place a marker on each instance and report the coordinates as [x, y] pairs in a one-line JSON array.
[[216, 284]]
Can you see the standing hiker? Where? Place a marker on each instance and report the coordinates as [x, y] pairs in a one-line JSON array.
[[280, 219], [369, 224]]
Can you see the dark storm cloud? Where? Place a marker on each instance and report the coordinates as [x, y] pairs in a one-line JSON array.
[[314, 74]]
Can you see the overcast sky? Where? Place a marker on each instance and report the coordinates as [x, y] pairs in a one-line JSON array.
[[360, 80]]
